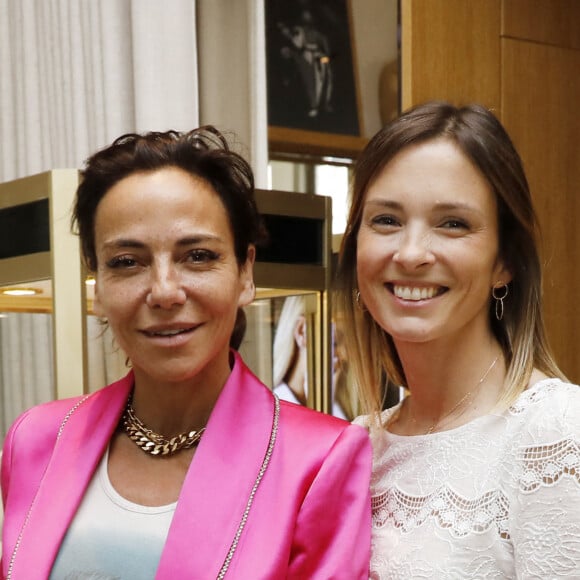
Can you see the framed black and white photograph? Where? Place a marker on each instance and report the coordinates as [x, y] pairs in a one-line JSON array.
[[313, 101]]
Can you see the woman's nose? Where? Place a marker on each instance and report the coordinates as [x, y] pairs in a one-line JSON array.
[[414, 249], [166, 288]]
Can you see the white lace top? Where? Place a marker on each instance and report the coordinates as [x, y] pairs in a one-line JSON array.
[[498, 497]]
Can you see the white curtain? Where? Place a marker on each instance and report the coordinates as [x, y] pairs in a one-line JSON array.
[[75, 74], [26, 364], [232, 75]]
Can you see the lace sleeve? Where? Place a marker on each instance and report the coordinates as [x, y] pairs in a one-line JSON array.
[[545, 520]]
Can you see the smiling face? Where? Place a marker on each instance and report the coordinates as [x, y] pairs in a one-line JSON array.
[[167, 277], [427, 247]]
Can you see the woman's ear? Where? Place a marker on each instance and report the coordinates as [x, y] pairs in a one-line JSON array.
[[300, 331], [248, 288], [502, 273], [97, 306]]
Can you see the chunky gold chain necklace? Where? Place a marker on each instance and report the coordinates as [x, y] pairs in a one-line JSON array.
[[154, 443]]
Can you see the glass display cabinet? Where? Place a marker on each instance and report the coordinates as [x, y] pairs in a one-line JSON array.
[[52, 345], [42, 294]]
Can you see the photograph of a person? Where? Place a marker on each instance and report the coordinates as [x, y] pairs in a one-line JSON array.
[[311, 80], [290, 364]]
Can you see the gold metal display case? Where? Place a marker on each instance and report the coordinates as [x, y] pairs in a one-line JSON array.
[[297, 261], [38, 251]]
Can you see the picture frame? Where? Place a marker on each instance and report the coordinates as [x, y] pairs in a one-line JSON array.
[[312, 82]]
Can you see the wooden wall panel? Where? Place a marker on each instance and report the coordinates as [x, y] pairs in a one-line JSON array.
[[450, 50], [521, 58], [540, 98], [554, 22]]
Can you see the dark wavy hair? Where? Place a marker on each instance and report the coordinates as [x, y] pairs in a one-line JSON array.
[[203, 152]]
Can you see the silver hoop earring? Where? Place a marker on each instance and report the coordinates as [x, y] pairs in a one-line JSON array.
[[499, 299]]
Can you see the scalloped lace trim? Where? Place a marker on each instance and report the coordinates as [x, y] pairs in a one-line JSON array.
[[543, 465], [451, 511]]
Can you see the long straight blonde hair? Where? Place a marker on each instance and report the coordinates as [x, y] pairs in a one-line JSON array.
[[521, 332]]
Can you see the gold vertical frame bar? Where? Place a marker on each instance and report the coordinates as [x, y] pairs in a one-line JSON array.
[[68, 288], [324, 400]]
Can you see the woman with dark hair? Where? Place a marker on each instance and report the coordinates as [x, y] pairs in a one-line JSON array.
[[188, 467], [476, 471]]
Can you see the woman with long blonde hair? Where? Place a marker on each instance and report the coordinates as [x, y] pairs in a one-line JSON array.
[[476, 471]]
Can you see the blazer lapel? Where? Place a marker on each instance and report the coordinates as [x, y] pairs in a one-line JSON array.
[[77, 452], [222, 474]]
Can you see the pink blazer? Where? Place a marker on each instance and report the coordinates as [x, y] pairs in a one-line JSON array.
[[310, 513]]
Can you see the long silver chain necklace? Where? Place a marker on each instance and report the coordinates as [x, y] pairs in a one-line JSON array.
[[154, 443]]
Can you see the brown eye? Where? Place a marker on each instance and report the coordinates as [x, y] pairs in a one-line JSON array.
[[385, 220], [121, 262], [201, 256], [454, 224]]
